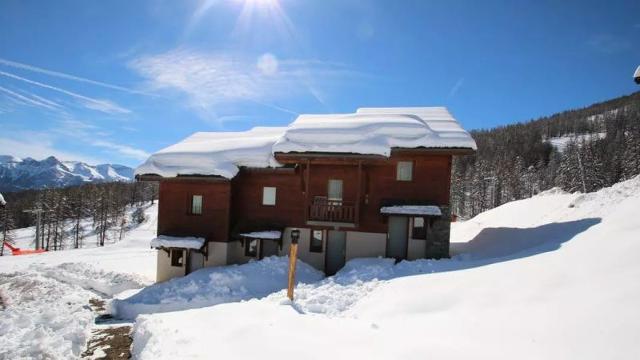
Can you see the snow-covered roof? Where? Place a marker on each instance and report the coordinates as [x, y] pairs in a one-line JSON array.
[[637, 73], [215, 153], [2, 202], [375, 131], [368, 131], [425, 210], [269, 234], [177, 242]]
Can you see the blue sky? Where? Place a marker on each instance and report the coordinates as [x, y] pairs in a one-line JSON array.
[[112, 81]]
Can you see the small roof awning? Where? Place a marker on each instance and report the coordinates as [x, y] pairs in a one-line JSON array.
[[163, 241], [267, 234], [411, 210]]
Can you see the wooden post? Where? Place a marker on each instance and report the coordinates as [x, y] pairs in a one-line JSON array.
[[306, 190], [357, 215], [293, 254]]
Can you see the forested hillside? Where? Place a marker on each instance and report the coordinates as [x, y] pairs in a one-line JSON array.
[[577, 150], [69, 214]]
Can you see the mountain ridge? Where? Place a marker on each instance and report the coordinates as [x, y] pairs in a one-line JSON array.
[[18, 174]]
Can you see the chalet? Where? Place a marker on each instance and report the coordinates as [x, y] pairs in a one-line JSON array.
[[372, 183]]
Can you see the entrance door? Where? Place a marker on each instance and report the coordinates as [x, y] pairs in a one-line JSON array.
[[336, 249], [196, 261], [397, 238], [268, 248]]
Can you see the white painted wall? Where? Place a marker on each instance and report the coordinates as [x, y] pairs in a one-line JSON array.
[[363, 244], [164, 269], [218, 252]]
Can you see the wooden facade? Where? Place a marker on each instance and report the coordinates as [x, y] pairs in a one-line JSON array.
[[301, 192]]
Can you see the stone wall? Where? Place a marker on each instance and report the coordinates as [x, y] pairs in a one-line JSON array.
[[439, 235]]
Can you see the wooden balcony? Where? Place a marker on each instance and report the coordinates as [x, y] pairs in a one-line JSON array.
[[324, 210]]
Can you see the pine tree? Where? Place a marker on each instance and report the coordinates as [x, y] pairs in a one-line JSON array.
[[7, 225]]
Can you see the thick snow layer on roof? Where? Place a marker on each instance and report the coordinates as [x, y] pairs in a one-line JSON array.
[[427, 210], [177, 242], [215, 153], [2, 202], [637, 73], [271, 234], [375, 131]]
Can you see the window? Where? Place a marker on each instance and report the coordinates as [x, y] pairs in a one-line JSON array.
[[404, 171], [176, 257], [196, 205], [334, 190], [316, 242], [251, 247], [419, 229], [268, 195]]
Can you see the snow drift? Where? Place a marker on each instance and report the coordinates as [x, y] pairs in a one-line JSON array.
[[211, 286]]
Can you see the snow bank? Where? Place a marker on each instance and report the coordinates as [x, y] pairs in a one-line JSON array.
[[211, 286], [177, 242], [43, 318], [374, 131], [2, 202], [411, 210], [107, 283], [215, 153], [274, 234]]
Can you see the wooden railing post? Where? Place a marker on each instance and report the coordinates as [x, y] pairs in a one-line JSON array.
[[357, 209]]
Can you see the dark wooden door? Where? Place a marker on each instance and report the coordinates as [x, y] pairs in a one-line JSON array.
[[268, 248], [397, 237], [336, 251]]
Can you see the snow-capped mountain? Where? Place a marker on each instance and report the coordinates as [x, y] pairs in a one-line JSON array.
[[21, 174]]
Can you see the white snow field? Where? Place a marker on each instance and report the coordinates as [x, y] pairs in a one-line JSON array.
[[44, 298], [552, 277]]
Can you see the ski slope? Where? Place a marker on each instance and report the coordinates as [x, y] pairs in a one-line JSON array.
[[552, 277]]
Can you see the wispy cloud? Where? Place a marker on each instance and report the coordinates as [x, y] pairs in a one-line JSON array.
[[124, 150], [34, 100], [85, 132], [102, 105], [39, 145], [456, 87], [209, 79], [607, 43], [62, 75]]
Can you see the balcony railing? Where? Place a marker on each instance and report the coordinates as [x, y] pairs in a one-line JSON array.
[[323, 209]]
